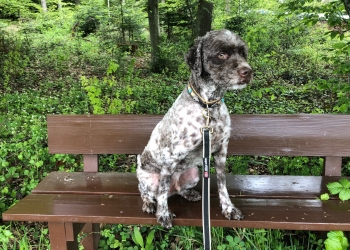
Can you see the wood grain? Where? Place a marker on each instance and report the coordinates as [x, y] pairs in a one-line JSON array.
[[289, 214], [268, 135]]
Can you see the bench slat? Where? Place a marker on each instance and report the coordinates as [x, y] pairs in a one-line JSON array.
[[99, 134], [259, 213], [290, 135], [259, 186], [285, 135]]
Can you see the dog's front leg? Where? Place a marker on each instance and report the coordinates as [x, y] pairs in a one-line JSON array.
[[163, 214], [228, 209]]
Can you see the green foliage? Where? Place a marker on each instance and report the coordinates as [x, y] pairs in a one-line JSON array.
[[5, 236], [342, 188], [14, 58], [324, 197], [275, 165], [105, 94], [337, 54], [178, 18], [88, 17], [336, 241], [235, 243], [120, 92], [110, 241], [8, 240], [145, 245], [295, 165], [14, 9], [171, 58]]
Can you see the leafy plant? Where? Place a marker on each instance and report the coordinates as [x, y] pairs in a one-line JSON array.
[[5, 236], [324, 197], [336, 240], [110, 240], [138, 239], [105, 94], [340, 188], [235, 243]]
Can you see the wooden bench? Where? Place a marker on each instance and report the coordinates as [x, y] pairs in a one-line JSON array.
[[71, 202]]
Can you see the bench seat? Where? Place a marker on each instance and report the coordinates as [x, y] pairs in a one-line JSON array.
[[113, 198]]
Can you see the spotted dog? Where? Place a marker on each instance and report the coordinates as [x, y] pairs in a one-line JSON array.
[[168, 164]]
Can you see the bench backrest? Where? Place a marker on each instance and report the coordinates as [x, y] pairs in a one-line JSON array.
[[264, 135]]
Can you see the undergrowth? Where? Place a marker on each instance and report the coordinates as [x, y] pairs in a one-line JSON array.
[[45, 69]]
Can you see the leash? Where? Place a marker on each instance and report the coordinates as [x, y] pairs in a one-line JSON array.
[[206, 132]]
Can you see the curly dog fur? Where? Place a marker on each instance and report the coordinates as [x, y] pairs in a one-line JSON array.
[[168, 164]]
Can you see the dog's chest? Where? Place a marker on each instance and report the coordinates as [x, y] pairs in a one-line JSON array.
[[221, 124], [193, 120]]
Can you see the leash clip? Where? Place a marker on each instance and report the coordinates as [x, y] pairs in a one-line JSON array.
[[206, 115], [211, 130]]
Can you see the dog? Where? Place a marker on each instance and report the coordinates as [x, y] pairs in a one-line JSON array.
[[168, 164]]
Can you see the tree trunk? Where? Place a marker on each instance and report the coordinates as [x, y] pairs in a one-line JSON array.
[[77, 2], [153, 20], [43, 5], [59, 5], [204, 17], [347, 6]]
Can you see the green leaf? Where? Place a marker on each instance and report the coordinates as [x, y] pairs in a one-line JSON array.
[[7, 234], [5, 164], [149, 240], [339, 45], [332, 244], [334, 187], [335, 234], [324, 197], [344, 243], [20, 156], [138, 237], [333, 34], [344, 195], [112, 68], [39, 164], [345, 183], [229, 238], [336, 241]]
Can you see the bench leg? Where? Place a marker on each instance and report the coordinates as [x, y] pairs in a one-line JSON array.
[[90, 242], [63, 236]]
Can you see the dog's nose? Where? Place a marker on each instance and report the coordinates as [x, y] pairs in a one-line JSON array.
[[245, 72]]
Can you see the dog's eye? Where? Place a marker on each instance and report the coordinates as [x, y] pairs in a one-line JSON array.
[[222, 56], [243, 54]]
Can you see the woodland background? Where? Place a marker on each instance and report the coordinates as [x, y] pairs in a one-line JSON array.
[[127, 56]]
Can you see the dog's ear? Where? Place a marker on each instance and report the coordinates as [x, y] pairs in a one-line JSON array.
[[194, 57]]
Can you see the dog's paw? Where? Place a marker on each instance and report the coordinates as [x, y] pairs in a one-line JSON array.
[[191, 195], [149, 207], [166, 220], [231, 212]]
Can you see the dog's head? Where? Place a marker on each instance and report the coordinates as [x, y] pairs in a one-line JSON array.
[[222, 56]]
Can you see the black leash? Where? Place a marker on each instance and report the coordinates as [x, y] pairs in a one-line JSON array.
[[206, 190], [206, 131]]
